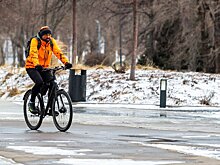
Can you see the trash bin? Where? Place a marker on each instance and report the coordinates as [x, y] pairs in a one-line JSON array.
[[77, 86]]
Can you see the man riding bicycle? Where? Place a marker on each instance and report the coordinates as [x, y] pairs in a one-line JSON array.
[[40, 58]]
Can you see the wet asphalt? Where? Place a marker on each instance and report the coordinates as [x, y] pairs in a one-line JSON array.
[[139, 136]]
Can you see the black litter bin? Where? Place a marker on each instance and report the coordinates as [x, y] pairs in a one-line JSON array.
[[77, 86]]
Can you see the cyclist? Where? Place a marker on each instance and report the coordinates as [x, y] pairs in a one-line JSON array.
[[41, 58]]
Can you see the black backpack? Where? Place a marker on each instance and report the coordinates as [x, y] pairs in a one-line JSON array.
[[27, 49]]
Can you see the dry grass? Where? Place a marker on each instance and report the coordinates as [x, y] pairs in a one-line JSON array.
[[147, 67], [30, 86], [13, 91], [85, 67], [1, 93]]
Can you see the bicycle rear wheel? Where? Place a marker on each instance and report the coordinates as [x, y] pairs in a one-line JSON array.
[[62, 104], [33, 121]]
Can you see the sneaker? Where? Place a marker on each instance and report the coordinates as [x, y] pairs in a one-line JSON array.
[[32, 108]]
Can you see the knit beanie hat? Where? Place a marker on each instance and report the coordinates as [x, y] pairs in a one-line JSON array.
[[44, 30]]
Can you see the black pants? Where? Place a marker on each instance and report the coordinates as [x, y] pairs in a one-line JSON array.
[[39, 78]]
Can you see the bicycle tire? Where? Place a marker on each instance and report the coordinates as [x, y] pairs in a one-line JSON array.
[[63, 105], [33, 121]]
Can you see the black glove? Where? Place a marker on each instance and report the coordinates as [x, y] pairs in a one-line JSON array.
[[39, 67], [68, 65]]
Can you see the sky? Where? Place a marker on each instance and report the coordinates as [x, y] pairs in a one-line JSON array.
[[106, 86]]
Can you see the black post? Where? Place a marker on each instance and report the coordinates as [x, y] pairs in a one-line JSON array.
[[163, 91], [83, 85]]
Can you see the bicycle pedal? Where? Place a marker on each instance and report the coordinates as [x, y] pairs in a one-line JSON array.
[[51, 114]]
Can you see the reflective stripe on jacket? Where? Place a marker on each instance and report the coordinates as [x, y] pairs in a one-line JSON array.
[[43, 56]]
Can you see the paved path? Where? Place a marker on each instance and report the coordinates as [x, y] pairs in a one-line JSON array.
[[107, 136]]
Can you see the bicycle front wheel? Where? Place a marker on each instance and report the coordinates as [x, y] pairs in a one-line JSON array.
[[62, 111], [33, 121]]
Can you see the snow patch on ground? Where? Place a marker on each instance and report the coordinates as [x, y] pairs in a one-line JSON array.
[[106, 86], [113, 161]]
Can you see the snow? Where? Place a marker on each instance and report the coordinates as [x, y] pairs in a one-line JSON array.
[[53, 150], [36, 150], [198, 151], [6, 161], [106, 86], [114, 161]]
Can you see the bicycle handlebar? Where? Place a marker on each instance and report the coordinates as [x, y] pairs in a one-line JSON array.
[[55, 69]]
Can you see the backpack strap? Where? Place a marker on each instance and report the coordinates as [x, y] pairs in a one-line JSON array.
[[51, 44], [39, 42]]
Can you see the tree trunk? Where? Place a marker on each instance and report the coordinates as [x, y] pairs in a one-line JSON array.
[[14, 49], [203, 49], [217, 37], [217, 45], [45, 10], [2, 58], [74, 40], [150, 43], [135, 40], [20, 43]]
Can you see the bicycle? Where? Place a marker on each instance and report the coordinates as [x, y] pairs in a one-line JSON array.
[[59, 101]]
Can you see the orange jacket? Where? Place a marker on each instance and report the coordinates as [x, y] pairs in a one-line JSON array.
[[44, 54]]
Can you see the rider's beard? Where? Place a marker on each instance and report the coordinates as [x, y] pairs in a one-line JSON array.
[[47, 39]]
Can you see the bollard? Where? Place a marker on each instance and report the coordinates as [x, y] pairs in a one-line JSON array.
[[163, 91], [77, 86]]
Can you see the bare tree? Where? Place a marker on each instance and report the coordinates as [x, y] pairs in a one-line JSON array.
[[74, 42], [172, 34], [135, 40], [27, 20], [215, 7]]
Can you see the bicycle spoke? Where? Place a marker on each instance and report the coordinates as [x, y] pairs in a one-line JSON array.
[[33, 121], [64, 107]]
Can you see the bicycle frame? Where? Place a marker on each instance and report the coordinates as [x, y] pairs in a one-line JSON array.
[[52, 93], [50, 99]]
